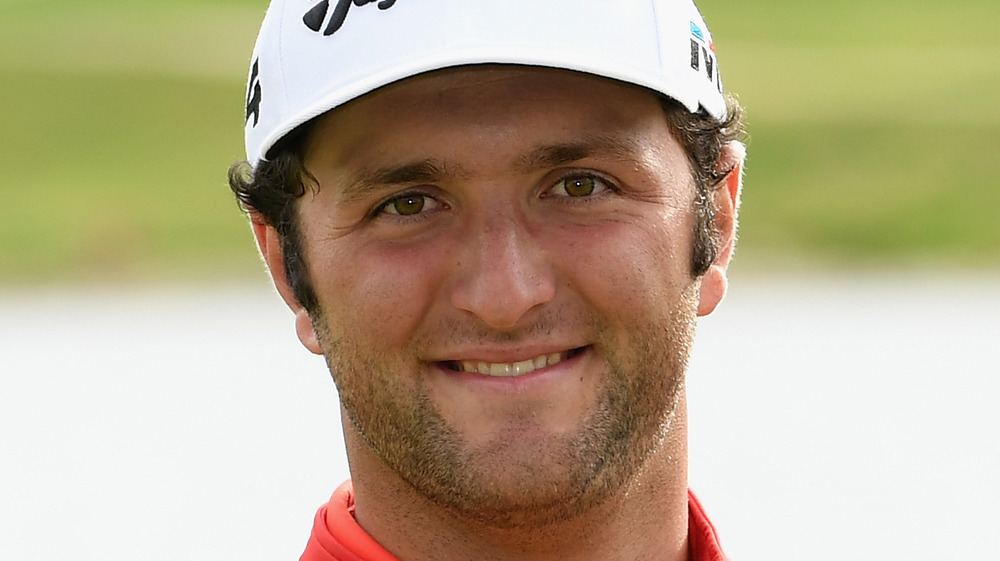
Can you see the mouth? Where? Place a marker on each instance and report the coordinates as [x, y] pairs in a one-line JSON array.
[[511, 369]]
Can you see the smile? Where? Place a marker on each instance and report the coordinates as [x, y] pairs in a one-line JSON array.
[[510, 369]]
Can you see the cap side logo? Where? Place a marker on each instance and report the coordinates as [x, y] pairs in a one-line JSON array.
[[702, 50], [696, 31], [254, 93], [315, 17]]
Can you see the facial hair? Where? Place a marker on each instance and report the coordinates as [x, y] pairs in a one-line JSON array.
[[507, 484]]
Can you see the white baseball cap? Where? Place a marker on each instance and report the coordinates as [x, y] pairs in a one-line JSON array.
[[314, 55]]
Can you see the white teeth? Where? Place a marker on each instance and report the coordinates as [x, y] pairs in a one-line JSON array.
[[506, 369]]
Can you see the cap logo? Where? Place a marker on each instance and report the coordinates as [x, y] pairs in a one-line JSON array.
[[703, 51], [315, 17], [696, 31], [254, 93]]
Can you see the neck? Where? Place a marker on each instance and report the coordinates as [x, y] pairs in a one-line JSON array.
[[645, 520]]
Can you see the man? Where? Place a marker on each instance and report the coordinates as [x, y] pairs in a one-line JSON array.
[[498, 222]]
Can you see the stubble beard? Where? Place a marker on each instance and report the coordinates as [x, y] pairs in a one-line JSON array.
[[548, 481]]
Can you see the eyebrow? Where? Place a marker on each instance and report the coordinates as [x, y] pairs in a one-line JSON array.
[[551, 156], [432, 170], [425, 171]]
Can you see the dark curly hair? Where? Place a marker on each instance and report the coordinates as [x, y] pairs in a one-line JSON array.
[[272, 189]]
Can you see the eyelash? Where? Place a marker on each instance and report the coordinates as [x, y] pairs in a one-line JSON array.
[[607, 184], [382, 208]]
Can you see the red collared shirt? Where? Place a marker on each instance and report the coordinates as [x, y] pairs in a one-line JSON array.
[[336, 536]]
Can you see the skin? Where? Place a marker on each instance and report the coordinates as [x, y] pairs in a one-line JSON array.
[[494, 215]]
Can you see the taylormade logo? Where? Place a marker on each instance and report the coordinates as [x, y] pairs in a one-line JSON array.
[[254, 93], [315, 17]]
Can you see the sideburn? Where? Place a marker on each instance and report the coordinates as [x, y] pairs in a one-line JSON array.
[[296, 268]]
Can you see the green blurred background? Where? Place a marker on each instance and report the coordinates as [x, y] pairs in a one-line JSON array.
[[875, 127]]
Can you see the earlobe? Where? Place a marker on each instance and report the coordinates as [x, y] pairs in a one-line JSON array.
[[714, 282], [269, 243], [306, 331]]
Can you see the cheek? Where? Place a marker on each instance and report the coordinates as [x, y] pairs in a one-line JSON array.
[[376, 291], [629, 267]]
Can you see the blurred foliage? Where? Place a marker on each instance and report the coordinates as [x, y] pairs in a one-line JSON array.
[[121, 119], [873, 130], [873, 127]]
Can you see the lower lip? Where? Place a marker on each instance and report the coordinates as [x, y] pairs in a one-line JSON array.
[[533, 381]]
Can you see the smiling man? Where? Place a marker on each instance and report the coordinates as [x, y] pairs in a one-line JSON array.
[[498, 222]]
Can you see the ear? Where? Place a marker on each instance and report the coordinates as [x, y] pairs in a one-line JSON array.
[[726, 205], [269, 243]]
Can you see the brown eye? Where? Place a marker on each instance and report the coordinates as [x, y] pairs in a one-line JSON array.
[[406, 205], [580, 186]]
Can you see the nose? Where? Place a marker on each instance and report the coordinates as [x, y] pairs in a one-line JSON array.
[[503, 273]]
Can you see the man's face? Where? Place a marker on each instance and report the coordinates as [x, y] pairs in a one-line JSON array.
[[502, 262]]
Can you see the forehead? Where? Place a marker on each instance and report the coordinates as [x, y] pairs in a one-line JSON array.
[[487, 100], [470, 80]]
